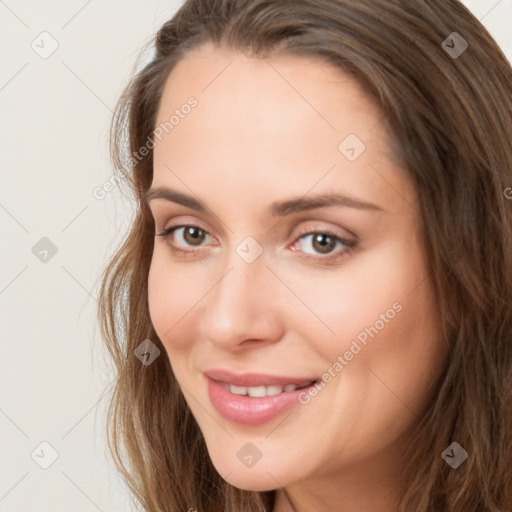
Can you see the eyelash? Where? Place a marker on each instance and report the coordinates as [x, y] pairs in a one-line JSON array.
[[349, 244]]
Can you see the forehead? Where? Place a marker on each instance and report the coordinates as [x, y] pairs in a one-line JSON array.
[[275, 93], [286, 121]]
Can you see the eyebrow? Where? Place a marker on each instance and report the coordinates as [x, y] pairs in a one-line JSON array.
[[276, 209]]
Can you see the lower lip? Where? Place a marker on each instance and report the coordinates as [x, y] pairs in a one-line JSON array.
[[251, 410]]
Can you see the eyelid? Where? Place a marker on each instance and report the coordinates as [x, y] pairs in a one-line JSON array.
[[331, 258], [184, 222], [302, 231]]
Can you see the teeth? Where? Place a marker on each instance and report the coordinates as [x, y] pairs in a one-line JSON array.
[[274, 390], [261, 391], [257, 391], [238, 390]]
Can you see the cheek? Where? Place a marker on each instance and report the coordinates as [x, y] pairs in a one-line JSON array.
[[372, 291], [159, 302], [172, 292], [381, 314]]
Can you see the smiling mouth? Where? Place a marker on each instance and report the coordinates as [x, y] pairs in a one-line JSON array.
[[262, 391]]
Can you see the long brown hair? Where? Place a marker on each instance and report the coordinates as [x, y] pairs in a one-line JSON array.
[[451, 118]]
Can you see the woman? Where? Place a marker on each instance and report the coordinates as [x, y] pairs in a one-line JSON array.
[[312, 310]]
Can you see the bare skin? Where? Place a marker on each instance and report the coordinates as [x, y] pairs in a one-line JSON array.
[[265, 131]]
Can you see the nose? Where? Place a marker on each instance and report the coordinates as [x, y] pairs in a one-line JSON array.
[[244, 306]]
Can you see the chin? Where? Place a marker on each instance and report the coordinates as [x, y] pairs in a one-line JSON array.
[[255, 478], [253, 481]]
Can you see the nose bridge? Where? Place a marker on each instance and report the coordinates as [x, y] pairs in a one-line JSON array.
[[242, 304], [246, 273]]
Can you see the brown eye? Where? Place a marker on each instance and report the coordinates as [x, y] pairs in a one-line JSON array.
[[320, 246], [323, 243], [193, 235]]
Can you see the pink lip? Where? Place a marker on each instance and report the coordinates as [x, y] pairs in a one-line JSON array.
[[255, 379], [252, 410]]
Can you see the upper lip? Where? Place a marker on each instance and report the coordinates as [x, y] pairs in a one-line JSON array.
[[255, 379]]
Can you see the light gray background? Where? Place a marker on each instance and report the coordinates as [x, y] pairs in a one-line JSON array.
[[55, 114]]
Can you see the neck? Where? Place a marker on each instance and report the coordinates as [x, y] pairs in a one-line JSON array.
[[368, 486]]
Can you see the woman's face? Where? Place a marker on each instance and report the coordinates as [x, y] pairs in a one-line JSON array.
[[338, 293]]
